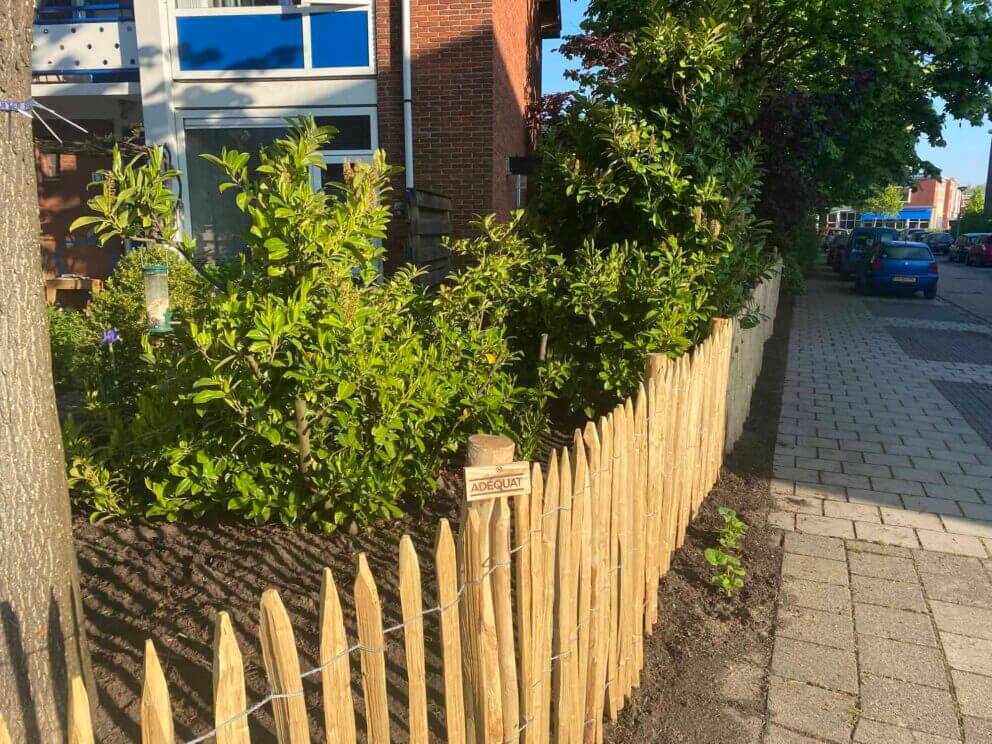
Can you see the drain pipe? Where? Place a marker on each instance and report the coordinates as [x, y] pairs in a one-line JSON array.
[[407, 98]]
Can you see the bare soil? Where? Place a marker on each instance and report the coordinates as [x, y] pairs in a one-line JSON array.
[[705, 667]]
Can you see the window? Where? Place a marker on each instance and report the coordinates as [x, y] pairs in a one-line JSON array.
[[907, 253], [270, 38], [215, 221]]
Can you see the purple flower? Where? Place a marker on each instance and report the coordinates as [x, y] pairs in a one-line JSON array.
[[110, 337]]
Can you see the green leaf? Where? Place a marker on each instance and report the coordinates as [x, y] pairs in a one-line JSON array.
[[345, 390]]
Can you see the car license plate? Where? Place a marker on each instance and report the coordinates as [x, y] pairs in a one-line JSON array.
[[905, 279]]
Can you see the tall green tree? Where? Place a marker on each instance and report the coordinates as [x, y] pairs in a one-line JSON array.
[[41, 631], [846, 88], [886, 203]]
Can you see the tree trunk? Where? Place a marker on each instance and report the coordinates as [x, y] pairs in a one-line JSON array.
[[41, 638]]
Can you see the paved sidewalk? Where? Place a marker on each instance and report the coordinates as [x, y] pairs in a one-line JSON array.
[[883, 477]]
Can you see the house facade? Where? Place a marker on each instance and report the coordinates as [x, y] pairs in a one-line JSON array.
[[931, 203], [442, 86]]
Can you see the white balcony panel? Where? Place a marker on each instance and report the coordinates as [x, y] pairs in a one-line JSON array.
[[81, 48]]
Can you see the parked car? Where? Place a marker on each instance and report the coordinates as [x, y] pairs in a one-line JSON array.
[[898, 266], [864, 240], [958, 252], [939, 242], [830, 234], [979, 250], [914, 234], [834, 246]]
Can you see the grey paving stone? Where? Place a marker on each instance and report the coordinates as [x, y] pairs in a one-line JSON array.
[[932, 506], [933, 464], [969, 481], [857, 468], [977, 731], [903, 536], [820, 491], [857, 445], [967, 654], [779, 735], [918, 475], [886, 459], [956, 493], [815, 595], [898, 625], [975, 469], [798, 474], [873, 498], [812, 463], [975, 622], [815, 545], [799, 504], [940, 454], [908, 662], [974, 693], [913, 706], [966, 526], [827, 526], [811, 710], [847, 481], [896, 485], [844, 455], [882, 566], [873, 732], [860, 546], [813, 626], [951, 566], [978, 511], [832, 668], [958, 589], [910, 518], [899, 594], [814, 569], [858, 512], [950, 543], [917, 450], [783, 519]]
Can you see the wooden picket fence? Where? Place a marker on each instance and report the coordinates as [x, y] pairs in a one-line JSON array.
[[543, 603]]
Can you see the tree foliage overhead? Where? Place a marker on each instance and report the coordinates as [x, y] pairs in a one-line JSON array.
[[845, 88]]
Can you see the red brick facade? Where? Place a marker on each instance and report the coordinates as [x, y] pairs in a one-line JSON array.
[[476, 66]]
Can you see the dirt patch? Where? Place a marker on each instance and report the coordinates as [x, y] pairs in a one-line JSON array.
[[705, 674], [705, 662]]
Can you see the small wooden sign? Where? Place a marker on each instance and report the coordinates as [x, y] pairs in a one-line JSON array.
[[497, 481]]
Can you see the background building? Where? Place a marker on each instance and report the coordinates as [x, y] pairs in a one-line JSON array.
[[930, 203], [200, 75]]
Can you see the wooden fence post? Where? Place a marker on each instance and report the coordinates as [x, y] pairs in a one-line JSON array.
[[412, 605], [282, 667], [451, 649], [335, 677], [483, 450], [544, 621], [80, 722], [229, 685], [503, 609], [368, 611], [156, 710]]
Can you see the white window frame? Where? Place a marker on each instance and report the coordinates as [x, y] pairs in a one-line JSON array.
[[305, 9], [258, 119]]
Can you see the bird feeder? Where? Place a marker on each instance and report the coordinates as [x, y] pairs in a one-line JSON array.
[[157, 309]]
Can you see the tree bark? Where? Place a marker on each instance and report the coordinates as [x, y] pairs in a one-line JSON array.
[[41, 638]]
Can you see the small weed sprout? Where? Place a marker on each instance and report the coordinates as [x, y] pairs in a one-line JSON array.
[[729, 575]]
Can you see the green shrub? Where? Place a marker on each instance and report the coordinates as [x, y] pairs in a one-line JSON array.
[[75, 347], [307, 390]]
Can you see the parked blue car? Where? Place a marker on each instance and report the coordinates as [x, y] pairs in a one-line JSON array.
[[899, 266], [864, 241]]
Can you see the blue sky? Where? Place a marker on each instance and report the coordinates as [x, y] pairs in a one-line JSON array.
[[965, 157]]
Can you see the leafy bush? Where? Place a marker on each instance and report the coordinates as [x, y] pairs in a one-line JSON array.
[[74, 347], [307, 390]]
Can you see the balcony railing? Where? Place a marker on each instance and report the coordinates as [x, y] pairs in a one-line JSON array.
[[64, 12]]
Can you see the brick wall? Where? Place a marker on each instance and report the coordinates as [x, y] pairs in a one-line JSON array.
[[476, 64]]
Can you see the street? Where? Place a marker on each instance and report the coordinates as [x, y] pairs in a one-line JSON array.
[[968, 287], [883, 472]]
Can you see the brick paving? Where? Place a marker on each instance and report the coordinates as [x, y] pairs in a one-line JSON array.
[[884, 493]]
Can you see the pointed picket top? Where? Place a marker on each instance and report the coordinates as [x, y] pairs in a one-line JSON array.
[[80, 722], [412, 606], [229, 685], [368, 610], [282, 667], [446, 565], [335, 675], [156, 710]]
